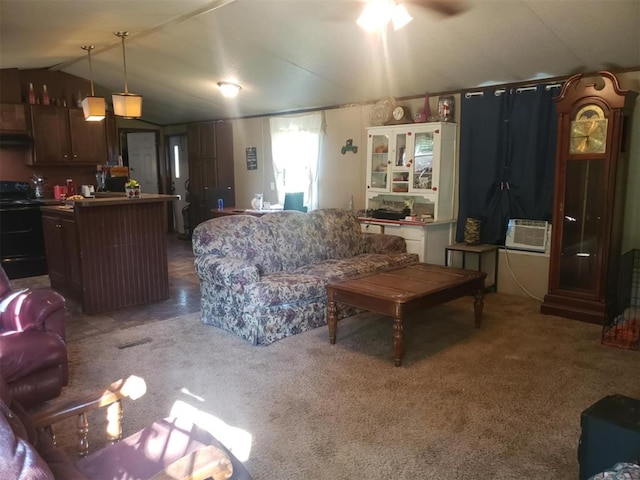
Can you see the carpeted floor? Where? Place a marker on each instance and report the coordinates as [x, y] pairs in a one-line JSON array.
[[500, 402]]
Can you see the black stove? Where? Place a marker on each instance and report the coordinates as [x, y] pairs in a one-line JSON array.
[[22, 251], [17, 193]]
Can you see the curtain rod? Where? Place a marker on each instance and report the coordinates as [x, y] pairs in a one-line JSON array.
[[500, 91]]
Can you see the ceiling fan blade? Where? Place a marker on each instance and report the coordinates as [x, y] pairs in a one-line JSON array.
[[445, 7]]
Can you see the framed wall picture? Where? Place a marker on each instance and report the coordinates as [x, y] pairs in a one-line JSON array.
[[252, 158]]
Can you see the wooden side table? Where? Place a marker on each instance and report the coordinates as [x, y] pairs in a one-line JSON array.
[[480, 250]]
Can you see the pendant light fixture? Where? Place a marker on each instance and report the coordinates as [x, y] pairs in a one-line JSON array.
[[93, 107], [125, 104]]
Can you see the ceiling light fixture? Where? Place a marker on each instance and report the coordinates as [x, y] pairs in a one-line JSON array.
[[378, 13], [93, 107], [229, 89], [125, 104]]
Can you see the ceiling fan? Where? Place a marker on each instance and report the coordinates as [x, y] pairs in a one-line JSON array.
[[378, 13]]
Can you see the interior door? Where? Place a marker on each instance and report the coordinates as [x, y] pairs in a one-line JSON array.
[[179, 162], [143, 160]]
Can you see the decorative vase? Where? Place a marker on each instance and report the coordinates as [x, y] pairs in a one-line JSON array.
[[132, 192], [257, 202], [472, 231]]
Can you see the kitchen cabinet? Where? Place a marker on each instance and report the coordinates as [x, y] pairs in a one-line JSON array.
[[61, 136], [210, 165], [13, 118], [113, 146], [63, 259], [414, 160]]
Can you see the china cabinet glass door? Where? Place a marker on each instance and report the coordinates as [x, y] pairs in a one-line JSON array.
[[401, 164], [379, 159], [423, 161]]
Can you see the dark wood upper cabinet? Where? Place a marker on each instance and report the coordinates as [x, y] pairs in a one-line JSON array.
[[50, 130], [210, 164], [13, 118], [88, 139], [62, 136]]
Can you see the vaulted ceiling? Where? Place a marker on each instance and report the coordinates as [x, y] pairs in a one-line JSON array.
[[299, 54]]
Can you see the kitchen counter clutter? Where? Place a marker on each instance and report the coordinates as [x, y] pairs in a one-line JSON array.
[[108, 253]]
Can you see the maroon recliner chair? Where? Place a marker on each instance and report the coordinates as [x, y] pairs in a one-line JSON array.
[[33, 351]]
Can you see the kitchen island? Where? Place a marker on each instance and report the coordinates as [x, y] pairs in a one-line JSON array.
[[108, 253]]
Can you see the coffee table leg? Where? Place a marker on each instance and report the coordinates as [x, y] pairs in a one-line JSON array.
[[332, 321], [397, 340], [478, 305]]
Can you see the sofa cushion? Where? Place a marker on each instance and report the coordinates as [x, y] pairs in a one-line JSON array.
[[330, 270], [238, 236], [298, 237], [341, 234]]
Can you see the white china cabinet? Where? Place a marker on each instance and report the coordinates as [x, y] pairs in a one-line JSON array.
[[413, 166], [414, 161]]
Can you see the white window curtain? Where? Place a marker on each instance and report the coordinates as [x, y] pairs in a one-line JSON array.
[[295, 148]]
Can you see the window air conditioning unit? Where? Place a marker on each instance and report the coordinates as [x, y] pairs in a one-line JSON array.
[[530, 235]]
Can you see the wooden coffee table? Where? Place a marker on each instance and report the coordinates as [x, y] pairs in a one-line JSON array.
[[402, 291]]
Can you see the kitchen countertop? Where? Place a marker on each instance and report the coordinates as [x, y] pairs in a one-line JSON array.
[[64, 209], [103, 201]]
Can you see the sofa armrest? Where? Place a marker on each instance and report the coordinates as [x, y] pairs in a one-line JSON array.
[[384, 243], [39, 309], [232, 273]]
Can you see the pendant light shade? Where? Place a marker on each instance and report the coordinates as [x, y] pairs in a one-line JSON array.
[[125, 104], [93, 107], [128, 105]]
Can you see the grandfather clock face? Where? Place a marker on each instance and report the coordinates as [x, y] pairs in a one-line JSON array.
[[588, 131]]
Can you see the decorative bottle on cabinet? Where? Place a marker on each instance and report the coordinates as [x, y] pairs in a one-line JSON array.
[[45, 95], [589, 195], [32, 95]]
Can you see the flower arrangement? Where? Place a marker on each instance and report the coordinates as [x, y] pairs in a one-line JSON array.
[[132, 188]]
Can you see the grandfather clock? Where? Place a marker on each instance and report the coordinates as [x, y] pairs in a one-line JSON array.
[[589, 195]]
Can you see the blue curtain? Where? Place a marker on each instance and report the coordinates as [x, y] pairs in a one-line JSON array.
[[507, 158]]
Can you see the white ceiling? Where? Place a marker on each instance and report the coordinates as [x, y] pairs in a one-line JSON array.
[[299, 54]]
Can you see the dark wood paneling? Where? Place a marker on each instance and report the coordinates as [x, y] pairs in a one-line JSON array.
[[10, 86], [124, 260]]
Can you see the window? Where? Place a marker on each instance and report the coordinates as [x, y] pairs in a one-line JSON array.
[[176, 160], [295, 148]]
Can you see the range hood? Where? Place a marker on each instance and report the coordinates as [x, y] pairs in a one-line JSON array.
[[13, 139]]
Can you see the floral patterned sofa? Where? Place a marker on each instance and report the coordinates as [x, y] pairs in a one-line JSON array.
[[263, 278]]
